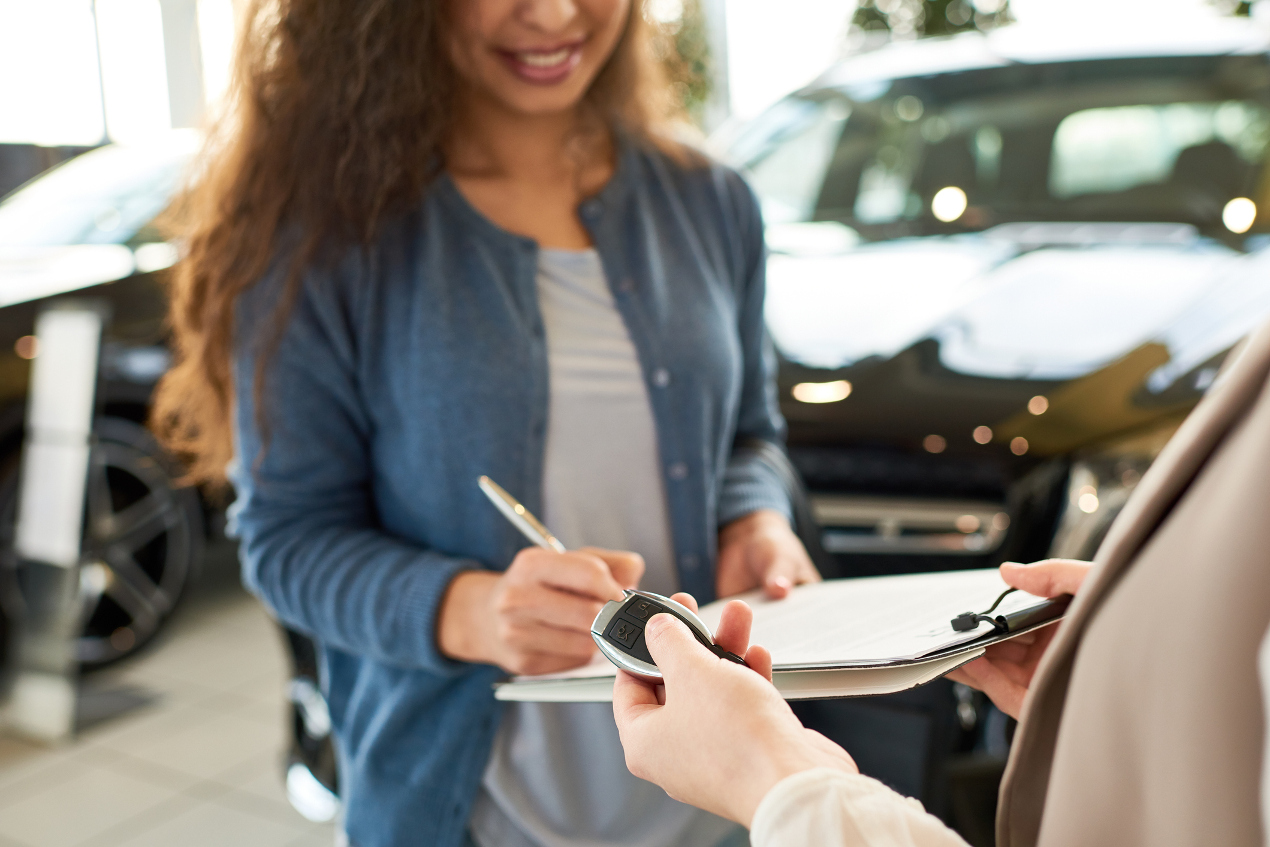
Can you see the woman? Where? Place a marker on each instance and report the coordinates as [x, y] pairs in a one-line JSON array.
[[438, 240]]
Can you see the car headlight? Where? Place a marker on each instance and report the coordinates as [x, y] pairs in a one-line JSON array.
[[1098, 486]]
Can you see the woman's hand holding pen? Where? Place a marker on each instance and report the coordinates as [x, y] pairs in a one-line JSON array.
[[1005, 670], [760, 550], [536, 616]]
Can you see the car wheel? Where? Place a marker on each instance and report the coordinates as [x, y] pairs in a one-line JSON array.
[[143, 539], [312, 772]]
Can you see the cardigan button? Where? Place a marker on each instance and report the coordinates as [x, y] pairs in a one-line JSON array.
[[661, 377], [678, 471], [689, 562], [626, 286], [592, 209]]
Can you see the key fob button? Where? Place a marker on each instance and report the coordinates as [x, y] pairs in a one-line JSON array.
[[624, 632], [641, 609]]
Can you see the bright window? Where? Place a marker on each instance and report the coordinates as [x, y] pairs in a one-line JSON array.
[[48, 61], [789, 175]]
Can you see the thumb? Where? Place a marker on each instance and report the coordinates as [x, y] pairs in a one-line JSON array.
[[673, 647]]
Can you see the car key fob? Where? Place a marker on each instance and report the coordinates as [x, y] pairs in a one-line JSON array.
[[619, 631]]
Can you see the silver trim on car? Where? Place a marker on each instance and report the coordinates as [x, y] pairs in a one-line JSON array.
[[856, 524]]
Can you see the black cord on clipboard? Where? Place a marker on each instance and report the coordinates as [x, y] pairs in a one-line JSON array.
[[969, 620], [1051, 608]]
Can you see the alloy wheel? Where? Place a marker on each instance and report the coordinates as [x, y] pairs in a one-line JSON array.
[[143, 539]]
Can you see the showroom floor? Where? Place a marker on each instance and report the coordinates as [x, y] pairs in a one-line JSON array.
[[197, 764]]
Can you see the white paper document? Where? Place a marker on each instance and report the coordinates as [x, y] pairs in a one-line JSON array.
[[841, 638]]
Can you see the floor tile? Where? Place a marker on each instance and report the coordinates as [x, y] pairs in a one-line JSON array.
[[318, 838], [145, 728], [206, 744], [266, 688], [171, 691], [262, 775], [273, 809], [259, 786], [52, 768], [22, 761], [129, 765], [220, 664], [199, 762], [273, 712], [70, 812], [215, 824], [145, 821]]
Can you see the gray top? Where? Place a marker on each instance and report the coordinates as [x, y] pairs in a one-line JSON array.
[[557, 775]]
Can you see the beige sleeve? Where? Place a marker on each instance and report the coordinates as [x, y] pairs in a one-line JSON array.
[[829, 808], [1263, 671]]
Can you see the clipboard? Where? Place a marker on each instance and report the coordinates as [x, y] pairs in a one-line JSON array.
[[848, 638]]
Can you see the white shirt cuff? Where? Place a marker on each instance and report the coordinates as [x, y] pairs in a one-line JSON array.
[[825, 807]]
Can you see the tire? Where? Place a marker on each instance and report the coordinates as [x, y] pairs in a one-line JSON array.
[[143, 540], [311, 769]]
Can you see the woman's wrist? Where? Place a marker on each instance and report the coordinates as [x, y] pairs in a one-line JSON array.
[[788, 755], [461, 622], [750, 523]]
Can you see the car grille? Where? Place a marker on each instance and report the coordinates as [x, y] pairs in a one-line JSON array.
[[852, 524], [882, 510]]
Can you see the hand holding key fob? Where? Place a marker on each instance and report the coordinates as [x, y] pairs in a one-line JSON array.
[[619, 632]]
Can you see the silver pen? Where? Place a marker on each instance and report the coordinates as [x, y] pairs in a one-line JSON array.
[[520, 517]]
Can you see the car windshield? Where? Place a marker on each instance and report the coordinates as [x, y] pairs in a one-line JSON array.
[[1173, 139], [105, 196]]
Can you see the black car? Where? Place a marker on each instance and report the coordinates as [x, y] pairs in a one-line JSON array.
[[986, 265], [1003, 269], [85, 230]]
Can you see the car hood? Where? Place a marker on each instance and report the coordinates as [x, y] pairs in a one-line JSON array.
[[941, 335], [997, 307], [34, 273]]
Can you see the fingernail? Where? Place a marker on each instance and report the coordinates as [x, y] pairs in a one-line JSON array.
[[656, 622], [782, 582]]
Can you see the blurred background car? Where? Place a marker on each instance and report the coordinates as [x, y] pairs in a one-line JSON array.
[[86, 229], [1003, 269]]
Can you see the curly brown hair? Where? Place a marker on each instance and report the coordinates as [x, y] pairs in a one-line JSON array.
[[339, 113]]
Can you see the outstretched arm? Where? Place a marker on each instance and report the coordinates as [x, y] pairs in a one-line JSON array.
[[719, 736], [716, 735]]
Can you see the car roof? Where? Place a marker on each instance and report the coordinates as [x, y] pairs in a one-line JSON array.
[[1203, 35]]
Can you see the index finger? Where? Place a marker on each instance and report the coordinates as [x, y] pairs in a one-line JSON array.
[[683, 598], [733, 632], [626, 567], [580, 573], [1047, 578], [632, 696]]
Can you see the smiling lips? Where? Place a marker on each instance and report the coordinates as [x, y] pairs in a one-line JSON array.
[[543, 67]]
